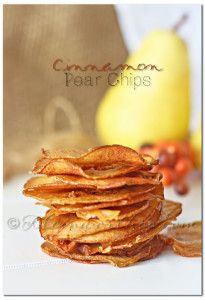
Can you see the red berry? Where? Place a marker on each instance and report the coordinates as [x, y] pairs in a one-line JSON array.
[[183, 166], [169, 146], [167, 159], [185, 149], [181, 188]]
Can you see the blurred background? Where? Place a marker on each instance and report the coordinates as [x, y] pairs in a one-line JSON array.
[[40, 111]]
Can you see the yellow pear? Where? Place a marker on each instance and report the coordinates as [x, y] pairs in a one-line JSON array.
[[148, 113], [196, 144]]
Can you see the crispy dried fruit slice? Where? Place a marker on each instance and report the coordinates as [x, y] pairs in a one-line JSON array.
[[126, 237], [100, 214], [90, 249], [113, 235], [62, 166], [52, 250], [69, 226], [64, 209], [116, 213], [94, 196], [170, 211], [107, 155], [75, 182], [150, 250], [185, 239]]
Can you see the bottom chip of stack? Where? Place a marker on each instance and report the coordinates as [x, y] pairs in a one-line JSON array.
[[146, 251]]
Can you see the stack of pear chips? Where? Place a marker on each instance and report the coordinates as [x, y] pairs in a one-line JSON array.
[[106, 205]]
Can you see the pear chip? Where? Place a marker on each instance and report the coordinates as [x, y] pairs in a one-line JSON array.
[[148, 251], [185, 239]]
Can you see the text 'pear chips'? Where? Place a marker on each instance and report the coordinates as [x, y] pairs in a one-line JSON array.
[[106, 206]]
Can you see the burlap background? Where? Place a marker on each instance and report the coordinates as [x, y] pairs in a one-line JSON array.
[[34, 36]]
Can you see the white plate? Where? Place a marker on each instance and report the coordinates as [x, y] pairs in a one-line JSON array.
[[28, 271]]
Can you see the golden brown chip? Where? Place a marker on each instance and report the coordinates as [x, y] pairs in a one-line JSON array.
[[115, 213], [107, 155], [90, 249], [150, 250], [94, 196], [64, 209], [108, 237], [52, 250], [185, 239], [100, 214], [70, 226], [62, 166], [127, 237], [76, 182], [170, 210]]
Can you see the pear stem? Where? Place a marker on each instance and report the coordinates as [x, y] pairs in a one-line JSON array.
[[180, 22]]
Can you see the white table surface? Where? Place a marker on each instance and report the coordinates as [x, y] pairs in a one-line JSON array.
[[28, 271]]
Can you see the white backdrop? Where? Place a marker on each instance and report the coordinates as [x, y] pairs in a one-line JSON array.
[[136, 20]]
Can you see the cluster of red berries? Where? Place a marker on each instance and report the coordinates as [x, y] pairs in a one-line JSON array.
[[176, 161]]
